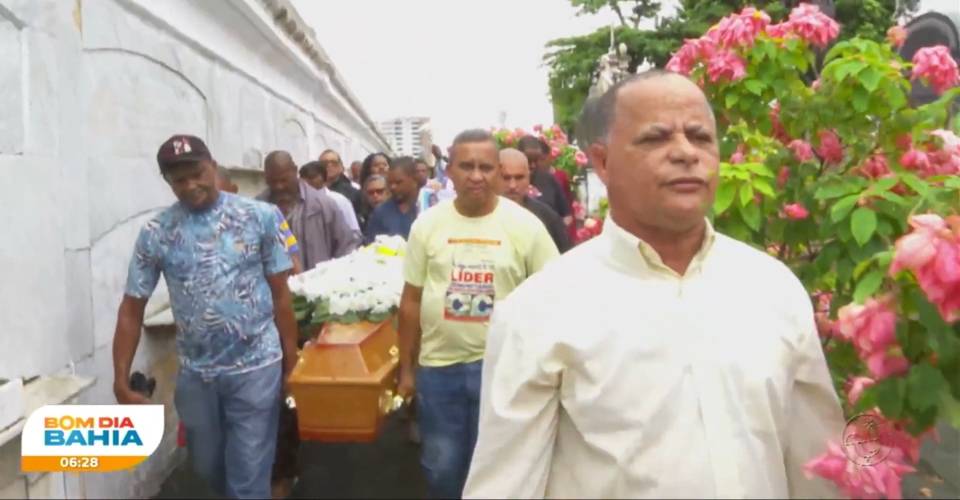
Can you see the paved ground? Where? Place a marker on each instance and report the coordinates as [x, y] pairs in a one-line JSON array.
[[389, 468]]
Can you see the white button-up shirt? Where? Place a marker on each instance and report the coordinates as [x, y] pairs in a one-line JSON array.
[[609, 375]]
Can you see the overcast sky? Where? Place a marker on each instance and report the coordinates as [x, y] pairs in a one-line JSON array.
[[459, 62]]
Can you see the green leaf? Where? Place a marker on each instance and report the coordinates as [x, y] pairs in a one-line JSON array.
[[861, 100], [925, 385], [837, 187], [731, 99], [916, 184], [850, 68], [842, 208], [763, 186], [754, 86], [890, 396], [870, 78], [951, 409], [746, 194], [863, 224], [724, 197], [867, 286], [884, 184], [751, 215]]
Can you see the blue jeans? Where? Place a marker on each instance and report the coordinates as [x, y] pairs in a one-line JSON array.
[[231, 424], [448, 406]]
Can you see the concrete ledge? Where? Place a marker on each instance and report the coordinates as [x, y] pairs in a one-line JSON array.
[[45, 391]]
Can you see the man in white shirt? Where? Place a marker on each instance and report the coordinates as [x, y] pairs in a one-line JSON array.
[[660, 359], [315, 174]]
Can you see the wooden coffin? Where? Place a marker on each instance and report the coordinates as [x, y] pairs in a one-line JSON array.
[[344, 383]]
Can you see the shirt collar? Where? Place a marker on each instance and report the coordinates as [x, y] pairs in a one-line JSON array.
[[626, 248]]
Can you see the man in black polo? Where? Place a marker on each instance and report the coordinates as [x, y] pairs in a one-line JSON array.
[[551, 192], [515, 171]]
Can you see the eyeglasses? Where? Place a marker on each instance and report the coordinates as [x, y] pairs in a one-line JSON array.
[[371, 192], [329, 162]]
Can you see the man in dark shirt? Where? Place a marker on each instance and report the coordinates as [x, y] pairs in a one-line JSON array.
[[551, 193], [337, 180], [396, 215], [516, 182]]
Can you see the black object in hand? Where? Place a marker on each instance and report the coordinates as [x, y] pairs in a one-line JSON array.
[[140, 383]]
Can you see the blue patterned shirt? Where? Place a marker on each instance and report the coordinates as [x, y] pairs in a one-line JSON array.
[[216, 262]]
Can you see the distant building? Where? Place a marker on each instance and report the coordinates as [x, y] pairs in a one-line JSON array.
[[404, 135]]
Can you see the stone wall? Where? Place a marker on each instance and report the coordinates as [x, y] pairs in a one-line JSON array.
[[89, 89]]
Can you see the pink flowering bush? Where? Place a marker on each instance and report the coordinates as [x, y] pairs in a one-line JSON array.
[[564, 155], [829, 168]]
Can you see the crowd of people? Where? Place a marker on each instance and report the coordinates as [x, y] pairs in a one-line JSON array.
[[623, 368]]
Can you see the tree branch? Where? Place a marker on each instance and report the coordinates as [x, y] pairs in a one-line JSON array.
[[616, 8]]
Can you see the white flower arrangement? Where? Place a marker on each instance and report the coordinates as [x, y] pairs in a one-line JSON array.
[[362, 286]]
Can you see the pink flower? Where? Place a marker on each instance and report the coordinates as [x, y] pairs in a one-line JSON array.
[[738, 155], [783, 176], [830, 148], [801, 149], [778, 131], [884, 364], [815, 85], [556, 129], [822, 313], [856, 387], [795, 211], [690, 53], [554, 152], [780, 30], [726, 65], [950, 140], [814, 26], [881, 480], [580, 158], [935, 65], [875, 167], [904, 141], [896, 35], [579, 211], [913, 251], [538, 128], [739, 30], [915, 159], [871, 328]]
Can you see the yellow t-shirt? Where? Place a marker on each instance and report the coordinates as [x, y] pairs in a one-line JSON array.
[[465, 265]]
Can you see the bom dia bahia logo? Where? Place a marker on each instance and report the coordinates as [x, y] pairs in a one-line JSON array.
[[95, 438]]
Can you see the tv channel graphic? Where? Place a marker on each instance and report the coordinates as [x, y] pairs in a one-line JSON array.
[[94, 438]]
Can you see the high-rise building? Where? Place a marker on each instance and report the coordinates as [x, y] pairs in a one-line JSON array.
[[404, 135]]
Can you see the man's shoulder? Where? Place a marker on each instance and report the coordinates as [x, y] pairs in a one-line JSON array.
[[242, 204], [317, 200], [514, 213], [541, 210]]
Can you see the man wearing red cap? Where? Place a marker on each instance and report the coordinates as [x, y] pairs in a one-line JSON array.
[[225, 260]]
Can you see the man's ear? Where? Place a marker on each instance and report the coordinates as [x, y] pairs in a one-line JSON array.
[[597, 153]]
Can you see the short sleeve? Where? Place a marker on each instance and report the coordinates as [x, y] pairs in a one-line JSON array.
[[277, 243], [144, 270], [415, 262]]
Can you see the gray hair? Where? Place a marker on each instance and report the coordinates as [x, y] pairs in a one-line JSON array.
[[372, 178], [598, 113]]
